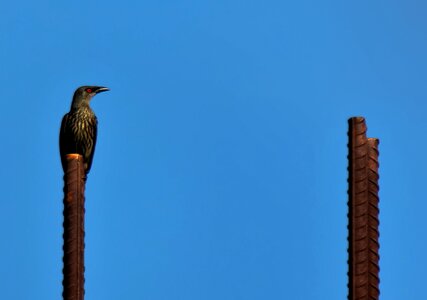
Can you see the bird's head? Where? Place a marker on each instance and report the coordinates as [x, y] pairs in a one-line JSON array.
[[84, 94]]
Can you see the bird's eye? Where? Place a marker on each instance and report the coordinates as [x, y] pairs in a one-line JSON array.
[[89, 90]]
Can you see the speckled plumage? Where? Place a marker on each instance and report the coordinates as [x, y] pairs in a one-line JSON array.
[[79, 127]]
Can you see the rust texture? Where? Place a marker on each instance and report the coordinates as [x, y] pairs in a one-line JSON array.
[[74, 210], [363, 213]]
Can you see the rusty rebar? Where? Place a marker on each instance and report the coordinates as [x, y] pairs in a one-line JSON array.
[[74, 210], [363, 213]]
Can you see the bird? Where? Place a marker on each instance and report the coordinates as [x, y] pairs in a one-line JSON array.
[[79, 127]]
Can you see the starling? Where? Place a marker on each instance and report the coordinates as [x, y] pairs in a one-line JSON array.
[[79, 127]]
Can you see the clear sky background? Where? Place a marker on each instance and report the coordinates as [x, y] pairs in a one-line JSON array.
[[220, 169]]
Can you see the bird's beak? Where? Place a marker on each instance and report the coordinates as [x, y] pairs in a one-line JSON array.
[[101, 89]]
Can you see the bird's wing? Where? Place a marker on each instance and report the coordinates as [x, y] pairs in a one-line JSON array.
[[93, 133], [62, 140]]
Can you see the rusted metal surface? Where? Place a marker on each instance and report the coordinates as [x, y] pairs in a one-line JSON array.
[[74, 210], [363, 213]]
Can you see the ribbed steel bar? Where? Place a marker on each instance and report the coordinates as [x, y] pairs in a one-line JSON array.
[[363, 213], [74, 210]]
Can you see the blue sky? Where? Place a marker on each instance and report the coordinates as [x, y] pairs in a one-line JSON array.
[[220, 169]]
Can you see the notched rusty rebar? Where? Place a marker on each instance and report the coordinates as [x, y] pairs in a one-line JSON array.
[[363, 213], [74, 210]]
